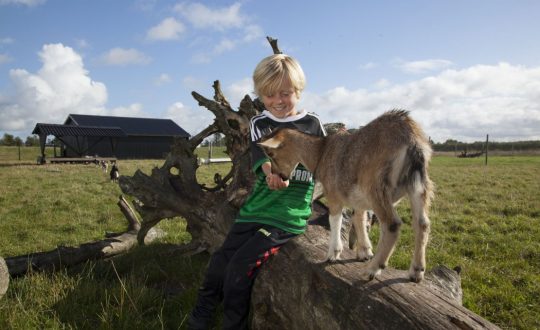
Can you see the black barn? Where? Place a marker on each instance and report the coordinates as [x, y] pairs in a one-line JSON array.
[[107, 136]]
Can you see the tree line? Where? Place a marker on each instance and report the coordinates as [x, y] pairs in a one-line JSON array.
[[454, 145], [10, 140], [448, 145]]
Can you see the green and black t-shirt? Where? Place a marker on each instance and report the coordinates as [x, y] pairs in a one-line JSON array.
[[289, 208]]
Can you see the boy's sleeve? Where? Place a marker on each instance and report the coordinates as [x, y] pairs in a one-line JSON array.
[[258, 157], [322, 131]]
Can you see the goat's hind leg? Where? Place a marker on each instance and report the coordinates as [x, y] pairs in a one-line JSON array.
[[421, 227], [362, 245], [390, 225]]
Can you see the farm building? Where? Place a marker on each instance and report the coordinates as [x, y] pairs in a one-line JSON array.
[[107, 136]]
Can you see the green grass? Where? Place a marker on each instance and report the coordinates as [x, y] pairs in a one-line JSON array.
[[487, 221], [18, 155], [484, 219]]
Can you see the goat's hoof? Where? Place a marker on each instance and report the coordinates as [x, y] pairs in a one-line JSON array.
[[333, 256], [334, 252], [416, 274], [373, 273], [364, 255]]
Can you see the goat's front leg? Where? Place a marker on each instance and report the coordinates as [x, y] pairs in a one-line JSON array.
[[335, 246]]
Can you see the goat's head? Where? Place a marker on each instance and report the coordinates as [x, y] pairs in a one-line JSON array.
[[278, 147]]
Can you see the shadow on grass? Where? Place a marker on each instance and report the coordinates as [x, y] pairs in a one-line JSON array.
[[152, 287]]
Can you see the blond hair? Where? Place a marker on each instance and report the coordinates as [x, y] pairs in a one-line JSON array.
[[270, 73]]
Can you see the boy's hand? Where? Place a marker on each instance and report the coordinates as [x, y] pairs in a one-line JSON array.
[[275, 182]]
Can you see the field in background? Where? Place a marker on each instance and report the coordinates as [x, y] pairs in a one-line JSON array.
[[484, 219], [29, 155]]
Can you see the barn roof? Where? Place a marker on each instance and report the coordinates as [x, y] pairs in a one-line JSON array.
[[131, 126], [70, 130]]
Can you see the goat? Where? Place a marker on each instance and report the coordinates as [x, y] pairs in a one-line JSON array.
[[372, 168], [104, 166], [115, 174]]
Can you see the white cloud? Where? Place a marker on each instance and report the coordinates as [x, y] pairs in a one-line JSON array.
[[368, 66], [169, 29], [239, 27], [500, 100], [194, 84], [224, 46], [60, 87], [191, 120], [121, 57], [145, 5], [6, 41], [29, 3], [201, 58], [82, 43], [202, 17], [252, 32], [162, 79], [236, 91], [382, 83], [4, 58], [419, 67], [133, 110]]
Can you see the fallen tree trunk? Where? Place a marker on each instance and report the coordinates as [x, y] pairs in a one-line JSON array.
[[63, 256], [299, 291]]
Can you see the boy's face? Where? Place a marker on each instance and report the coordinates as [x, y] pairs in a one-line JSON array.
[[282, 103]]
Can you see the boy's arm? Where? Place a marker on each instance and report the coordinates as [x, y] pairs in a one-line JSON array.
[[273, 181]]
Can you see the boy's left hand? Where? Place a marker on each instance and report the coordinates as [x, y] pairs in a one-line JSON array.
[[275, 182]]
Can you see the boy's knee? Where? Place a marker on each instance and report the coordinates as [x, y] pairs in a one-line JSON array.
[[237, 279]]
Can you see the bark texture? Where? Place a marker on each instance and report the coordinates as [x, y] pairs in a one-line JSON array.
[[172, 190], [299, 291]]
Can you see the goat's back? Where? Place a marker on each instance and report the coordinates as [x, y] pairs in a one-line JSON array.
[[363, 156]]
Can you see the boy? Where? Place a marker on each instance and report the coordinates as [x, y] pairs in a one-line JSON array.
[[276, 210]]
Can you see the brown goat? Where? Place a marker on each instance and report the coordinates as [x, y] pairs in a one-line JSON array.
[[372, 168]]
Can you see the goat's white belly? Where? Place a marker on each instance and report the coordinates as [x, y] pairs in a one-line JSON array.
[[357, 199]]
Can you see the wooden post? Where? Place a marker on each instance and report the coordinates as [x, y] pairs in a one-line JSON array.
[[487, 141], [42, 143]]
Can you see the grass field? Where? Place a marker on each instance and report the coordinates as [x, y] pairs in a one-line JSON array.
[[485, 219]]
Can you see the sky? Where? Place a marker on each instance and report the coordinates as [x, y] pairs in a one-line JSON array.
[[464, 69]]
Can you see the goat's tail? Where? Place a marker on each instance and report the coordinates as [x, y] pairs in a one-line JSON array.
[[416, 172]]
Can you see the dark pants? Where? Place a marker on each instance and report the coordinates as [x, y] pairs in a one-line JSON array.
[[231, 274]]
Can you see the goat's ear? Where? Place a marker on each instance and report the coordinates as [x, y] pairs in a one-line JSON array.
[[271, 143]]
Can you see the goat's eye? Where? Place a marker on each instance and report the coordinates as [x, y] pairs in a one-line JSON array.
[[270, 154]]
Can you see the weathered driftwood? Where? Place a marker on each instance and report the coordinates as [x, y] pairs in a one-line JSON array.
[[299, 291], [63, 256], [172, 190], [295, 290]]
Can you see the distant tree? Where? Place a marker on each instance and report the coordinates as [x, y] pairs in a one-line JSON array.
[[7, 140], [32, 141], [17, 141], [218, 139]]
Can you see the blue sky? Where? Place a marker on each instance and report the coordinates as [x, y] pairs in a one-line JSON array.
[[463, 68]]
